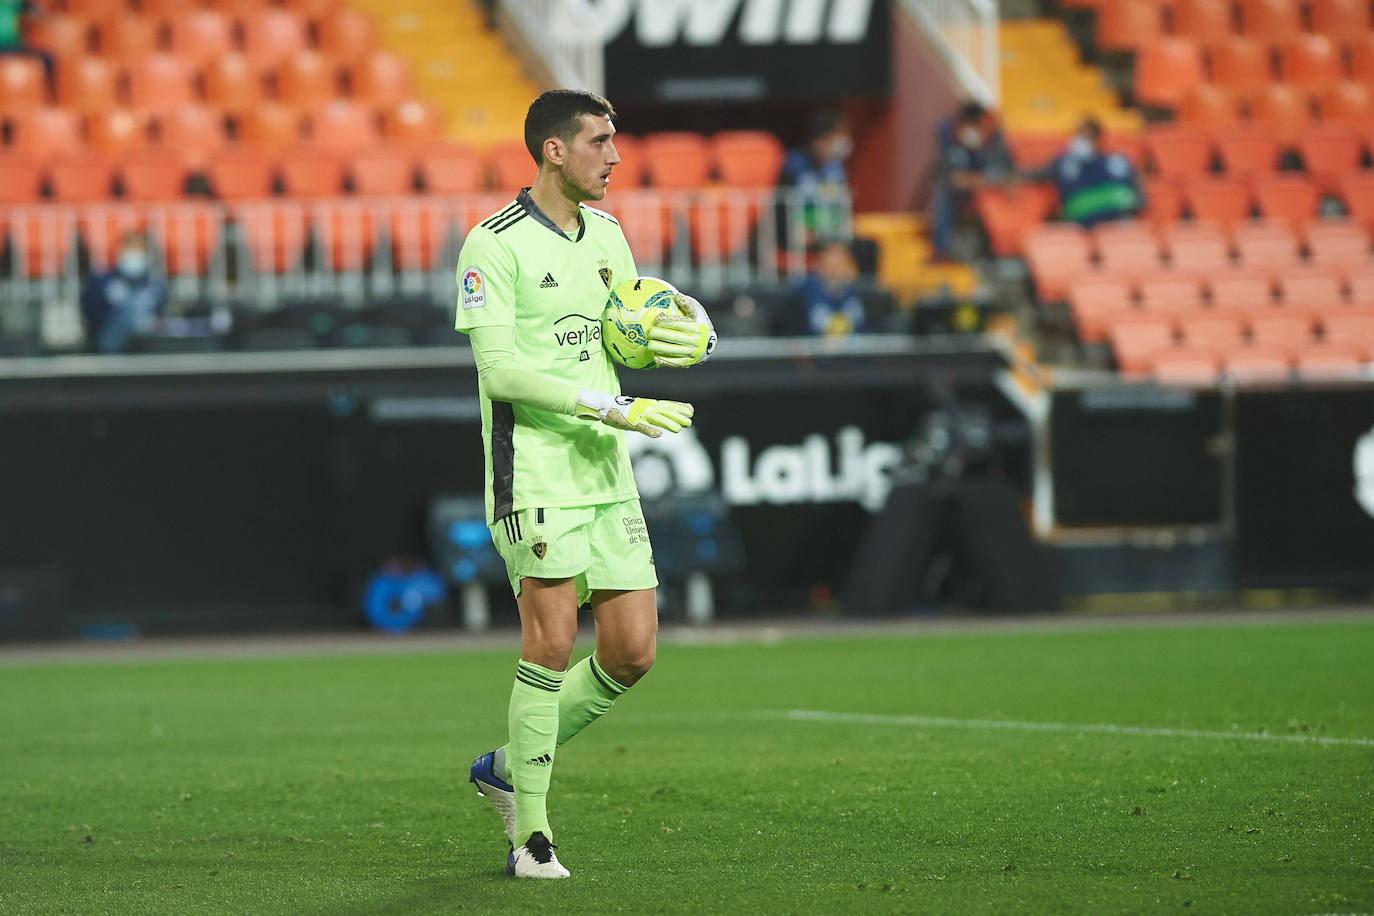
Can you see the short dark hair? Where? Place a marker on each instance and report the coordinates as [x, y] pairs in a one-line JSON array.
[[558, 113], [1091, 127], [970, 112]]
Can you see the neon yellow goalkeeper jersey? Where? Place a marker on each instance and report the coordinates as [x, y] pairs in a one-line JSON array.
[[518, 269]]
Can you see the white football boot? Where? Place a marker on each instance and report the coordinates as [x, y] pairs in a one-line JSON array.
[[535, 859]]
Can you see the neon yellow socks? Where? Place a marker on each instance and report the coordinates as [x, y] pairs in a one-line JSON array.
[[533, 724], [587, 694]]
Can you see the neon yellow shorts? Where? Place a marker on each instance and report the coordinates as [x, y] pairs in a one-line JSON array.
[[603, 546]]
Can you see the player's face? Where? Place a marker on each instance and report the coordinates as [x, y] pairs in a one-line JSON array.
[[589, 159]]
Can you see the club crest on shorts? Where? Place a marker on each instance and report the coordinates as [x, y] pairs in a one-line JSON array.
[[539, 548]]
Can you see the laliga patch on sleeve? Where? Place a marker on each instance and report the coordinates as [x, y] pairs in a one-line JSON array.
[[474, 289]]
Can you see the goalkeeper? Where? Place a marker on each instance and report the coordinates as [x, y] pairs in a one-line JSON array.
[[560, 496]]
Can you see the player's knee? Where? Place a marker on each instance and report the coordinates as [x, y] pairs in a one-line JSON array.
[[631, 665]]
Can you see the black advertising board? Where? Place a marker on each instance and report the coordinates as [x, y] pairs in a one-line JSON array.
[[1305, 488], [744, 50]]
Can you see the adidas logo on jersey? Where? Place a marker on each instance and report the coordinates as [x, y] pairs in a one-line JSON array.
[[549, 282]]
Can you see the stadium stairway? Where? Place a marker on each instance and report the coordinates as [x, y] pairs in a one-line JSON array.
[[460, 63]]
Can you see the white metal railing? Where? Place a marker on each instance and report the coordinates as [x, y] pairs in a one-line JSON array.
[[362, 249], [965, 33], [567, 38]]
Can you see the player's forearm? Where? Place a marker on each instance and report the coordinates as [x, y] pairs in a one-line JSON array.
[[503, 380]]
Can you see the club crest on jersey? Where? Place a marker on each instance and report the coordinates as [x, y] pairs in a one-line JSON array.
[[605, 272], [474, 292], [539, 548]]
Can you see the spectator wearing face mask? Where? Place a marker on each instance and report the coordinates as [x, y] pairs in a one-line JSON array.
[[970, 154], [828, 302], [1094, 186], [125, 302], [814, 181]]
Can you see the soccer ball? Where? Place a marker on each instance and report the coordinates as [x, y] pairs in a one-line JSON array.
[[629, 314]]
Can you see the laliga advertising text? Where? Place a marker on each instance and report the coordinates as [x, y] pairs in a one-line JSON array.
[[803, 473]]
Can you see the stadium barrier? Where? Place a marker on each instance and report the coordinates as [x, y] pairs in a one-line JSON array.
[[359, 249], [965, 32], [566, 37]]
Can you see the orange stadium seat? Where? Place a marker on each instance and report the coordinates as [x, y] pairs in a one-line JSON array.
[[1355, 328], [1225, 201], [311, 171], [118, 130], [1319, 361], [1127, 25], [1056, 253], [241, 173], [1359, 51], [1329, 151], [1339, 18], [1125, 143], [746, 158], [153, 175], [1186, 366], [23, 177], [1136, 342], [381, 79], [1163, 202], [1239, 64], [419, 227], [240, 8], [95, 10], [1240, 289], [1032, 150], [1178, 150], [275, 233], [382, 170], [1290, 197], [1266, 245], [159, 82], [511, 167], [450, 168], [162, 9], [630, 172], [1337, 243], [195, 132], [61, 35], [80, 177], [347, 234], [676, 160], [1311, 286], [1270, 20], [270, 35], [314, 9], [306, 79], [1197, 246], [1357, 191], [1214, 332], [347, 36], [1095, 301], [1359, 279], [1310, 62], [1209, 106], [1284, 108], [1127, 247], [1347, 102], [1008, 213], [23, 86], [1202, 20], [414, 121], [41, 132], [1168, 291], [185, 233], [1280, 328], [1257, 364], [201, 35], [270, 126], [343, 126], [1247, 149], [1166, 70], [232, 83], [128, 37]]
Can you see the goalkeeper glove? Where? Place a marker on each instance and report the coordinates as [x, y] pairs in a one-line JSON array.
[[646, 415], [682, 339]]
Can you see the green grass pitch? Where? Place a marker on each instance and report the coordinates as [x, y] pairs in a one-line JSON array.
[[957, 779]]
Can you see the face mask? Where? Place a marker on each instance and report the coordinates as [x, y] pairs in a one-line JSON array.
[[1081, 147], [840, 149], [132, 263], [971, 136]]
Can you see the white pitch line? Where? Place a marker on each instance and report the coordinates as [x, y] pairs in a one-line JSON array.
[[815, 715]]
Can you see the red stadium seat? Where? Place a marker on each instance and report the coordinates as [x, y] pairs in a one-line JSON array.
[[153, 175], [118, 130], [414, 121], [381, 79], [1347, 103], [347, 35], [271, 35], [1138, 341], [41, 132], [1247, 149], [1166, 71], [1170, 291], [1329, 151], [1008, 214], [232, 83], [80, 177], [1128, 25], [1202, 20], [1239, 64], [1224, 201], [1270, 20], [310, 171], [1095, 301], [1240, 289], [382, 170], [1056, 252], [450, 168], [676, 160], [194, 132], [242, 173], [200, 35], [1198, 246], [1178, 151], [1339, 18], [1337, 243], [746, 158], [1266, 245], [159, 83], [1310, 62], [306, 80], [1289, 197], [1127, 247], [22, 85]]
